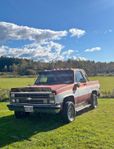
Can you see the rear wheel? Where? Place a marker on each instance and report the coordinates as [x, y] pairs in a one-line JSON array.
[[20, 114], [68, 111], [94, 101]]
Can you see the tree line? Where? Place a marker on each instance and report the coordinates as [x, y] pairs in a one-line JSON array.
[[16, 66]]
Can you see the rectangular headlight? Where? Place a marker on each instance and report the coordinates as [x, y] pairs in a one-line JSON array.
[[51, 95], [51, 101], [51, 98]]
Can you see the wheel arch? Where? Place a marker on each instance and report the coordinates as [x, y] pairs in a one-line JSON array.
[[95, 92], [69, 98]]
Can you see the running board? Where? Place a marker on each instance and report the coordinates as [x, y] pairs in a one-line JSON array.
[[82, 107]]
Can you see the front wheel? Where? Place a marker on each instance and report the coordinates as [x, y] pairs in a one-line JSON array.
[[68, 111], [94, 101]]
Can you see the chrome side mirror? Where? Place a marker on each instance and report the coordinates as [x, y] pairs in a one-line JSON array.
[[76, 85]]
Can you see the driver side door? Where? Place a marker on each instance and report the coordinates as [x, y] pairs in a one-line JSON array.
[[82, 90]]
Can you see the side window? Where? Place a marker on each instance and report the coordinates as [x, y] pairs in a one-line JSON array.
[[85, 76], [79, 77]]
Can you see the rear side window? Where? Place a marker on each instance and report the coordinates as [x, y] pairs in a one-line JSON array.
[[79, 77]]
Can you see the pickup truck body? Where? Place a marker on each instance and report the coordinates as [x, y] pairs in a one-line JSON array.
[[54, 91]]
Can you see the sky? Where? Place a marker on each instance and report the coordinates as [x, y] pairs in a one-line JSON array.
[[48, 30]]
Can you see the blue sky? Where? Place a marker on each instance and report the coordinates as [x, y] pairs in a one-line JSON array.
[[70, 29]]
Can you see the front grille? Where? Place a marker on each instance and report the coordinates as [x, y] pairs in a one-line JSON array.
[[28, 95], [31, 101], [32, 98]]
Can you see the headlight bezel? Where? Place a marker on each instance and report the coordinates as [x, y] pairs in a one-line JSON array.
[[12, 95], [52, 98], [52, 95]]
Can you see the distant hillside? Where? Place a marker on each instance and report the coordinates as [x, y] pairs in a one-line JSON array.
[[29, 67]]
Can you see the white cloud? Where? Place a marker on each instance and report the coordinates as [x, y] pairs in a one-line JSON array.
[[79, 58], [68, 52], [10, 31], [108, 31], [77, 32], [45, 52], [43, 46], [50, 51], [93, 49], [2, 51]]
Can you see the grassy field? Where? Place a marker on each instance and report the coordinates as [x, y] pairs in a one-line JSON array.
[[107, 83], [7, 83], [93, 129]]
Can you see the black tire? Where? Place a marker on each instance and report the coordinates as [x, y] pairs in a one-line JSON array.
[[68, 111], [21, 114], [94, 101]]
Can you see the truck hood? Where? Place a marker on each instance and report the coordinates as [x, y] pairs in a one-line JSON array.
[[40, 88]]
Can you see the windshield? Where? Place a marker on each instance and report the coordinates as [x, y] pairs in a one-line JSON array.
[[55, 77]]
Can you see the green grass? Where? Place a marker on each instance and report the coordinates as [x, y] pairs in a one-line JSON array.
[[7, 83], [106, 82], [93, 129]]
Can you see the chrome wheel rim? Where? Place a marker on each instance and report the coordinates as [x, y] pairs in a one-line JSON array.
[[71, 113], [95, 102]]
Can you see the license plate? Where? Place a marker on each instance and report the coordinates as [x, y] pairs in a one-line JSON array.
[[28, 108]]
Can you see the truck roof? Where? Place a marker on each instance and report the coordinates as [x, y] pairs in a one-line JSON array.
[[65, 69]]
